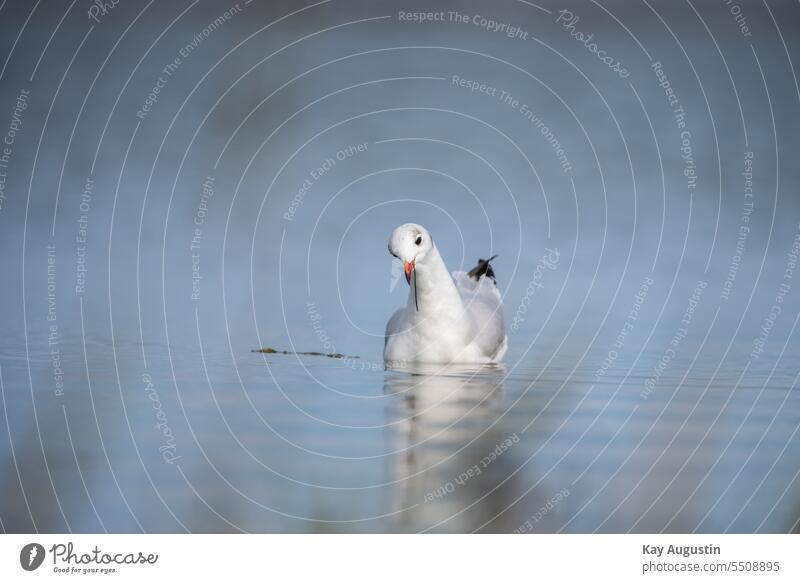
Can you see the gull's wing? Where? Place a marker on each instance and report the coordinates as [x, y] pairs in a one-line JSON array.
[[484, 307]]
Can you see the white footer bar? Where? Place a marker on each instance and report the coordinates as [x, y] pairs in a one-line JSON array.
[[401, 558]]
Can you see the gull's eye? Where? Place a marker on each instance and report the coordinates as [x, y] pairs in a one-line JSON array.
[[419, 240]]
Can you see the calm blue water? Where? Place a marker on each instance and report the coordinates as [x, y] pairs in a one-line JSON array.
[[647, 226], [280, 443]]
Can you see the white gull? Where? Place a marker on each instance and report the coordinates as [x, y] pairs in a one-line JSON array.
[[448, 318]]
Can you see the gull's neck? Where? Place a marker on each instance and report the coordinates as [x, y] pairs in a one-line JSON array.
[[436, 294]]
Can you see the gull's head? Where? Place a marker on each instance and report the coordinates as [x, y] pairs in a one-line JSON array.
[[409, 243]]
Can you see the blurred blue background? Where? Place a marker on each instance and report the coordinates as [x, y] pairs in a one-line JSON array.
[[188, 181]]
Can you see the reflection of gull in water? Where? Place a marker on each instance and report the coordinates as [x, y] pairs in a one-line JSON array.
[[449, 452], [448, 318]]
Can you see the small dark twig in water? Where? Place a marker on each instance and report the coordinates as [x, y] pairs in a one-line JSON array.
[[328, 354]]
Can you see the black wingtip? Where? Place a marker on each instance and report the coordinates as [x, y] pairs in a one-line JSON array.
[[483, 268]]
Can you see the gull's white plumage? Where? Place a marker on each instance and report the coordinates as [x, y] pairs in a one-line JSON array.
[[448, 318]]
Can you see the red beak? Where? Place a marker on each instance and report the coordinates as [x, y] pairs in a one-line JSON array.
[[409, 269]]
